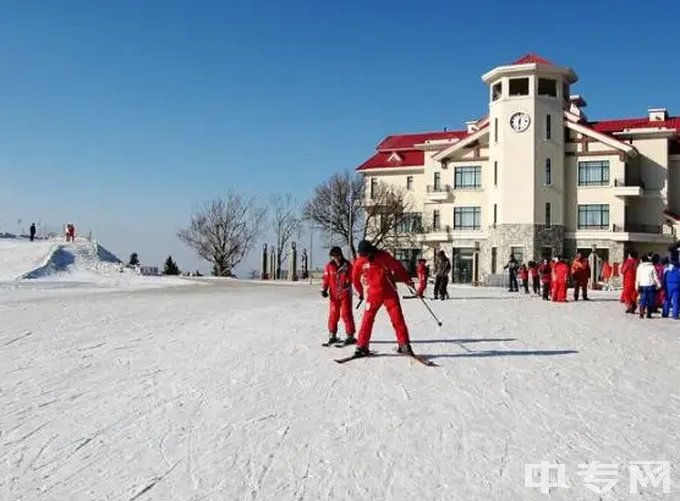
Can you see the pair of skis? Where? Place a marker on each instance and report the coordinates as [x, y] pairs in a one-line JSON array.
[[417, 358]]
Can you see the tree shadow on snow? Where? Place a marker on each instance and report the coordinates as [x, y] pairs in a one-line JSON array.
[[458, 340], [504, 353]]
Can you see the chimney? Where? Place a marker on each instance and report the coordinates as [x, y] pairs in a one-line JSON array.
[[657, 114], [576, 105], [471, 126]]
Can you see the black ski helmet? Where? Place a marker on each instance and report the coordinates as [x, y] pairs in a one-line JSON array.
[[365, 248]]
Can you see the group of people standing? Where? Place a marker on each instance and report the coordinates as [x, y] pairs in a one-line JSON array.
[[652, 283], [550, 279]]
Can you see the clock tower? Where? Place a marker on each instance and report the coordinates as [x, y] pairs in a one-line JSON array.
[[527, 100]]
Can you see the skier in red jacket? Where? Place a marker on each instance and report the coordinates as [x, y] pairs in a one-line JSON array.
[[378, 272], [629, 293], [545, 271], [337, 284], [422, 272], [560, 278]]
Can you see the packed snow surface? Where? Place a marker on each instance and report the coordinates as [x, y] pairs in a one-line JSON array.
[[220, 390]]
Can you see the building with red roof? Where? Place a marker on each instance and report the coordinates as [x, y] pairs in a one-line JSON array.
[[535, 178]]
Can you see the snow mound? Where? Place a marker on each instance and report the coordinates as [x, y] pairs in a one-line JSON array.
[[77, 257], [19, 256]]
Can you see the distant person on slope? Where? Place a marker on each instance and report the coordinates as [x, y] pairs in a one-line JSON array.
[[376, 272], [512, 267], [646, 283], [422, 272], [32, 232], [337, 284], [545, 271], [560, 278], [628, 272], [580, 270], [442, 268], [671, 285]]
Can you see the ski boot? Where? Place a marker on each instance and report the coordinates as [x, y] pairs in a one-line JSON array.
[[361, 351], [350, 339], [332, 339], [405, 349]]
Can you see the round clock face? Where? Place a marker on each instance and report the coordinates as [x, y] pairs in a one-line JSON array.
[[520, 121]]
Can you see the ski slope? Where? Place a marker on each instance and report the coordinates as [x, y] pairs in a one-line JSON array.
[[222, 391]]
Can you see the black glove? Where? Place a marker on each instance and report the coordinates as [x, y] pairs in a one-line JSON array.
[[324, 293]]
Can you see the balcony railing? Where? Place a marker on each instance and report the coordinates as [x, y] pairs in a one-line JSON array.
[[623, 182], [437, 229], [637, 228], [443, 188]]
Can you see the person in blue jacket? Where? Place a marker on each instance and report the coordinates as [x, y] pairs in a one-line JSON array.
[[671, 285]]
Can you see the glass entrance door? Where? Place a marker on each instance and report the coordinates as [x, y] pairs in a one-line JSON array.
[[462, 265]]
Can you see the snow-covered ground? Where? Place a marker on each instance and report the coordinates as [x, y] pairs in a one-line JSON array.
[[222, 391]]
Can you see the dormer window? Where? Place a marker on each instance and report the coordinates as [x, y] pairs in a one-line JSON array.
[[394, 158], [547, 87], [519, 87]]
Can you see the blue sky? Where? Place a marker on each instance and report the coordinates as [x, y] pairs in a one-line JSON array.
[[122, 115]]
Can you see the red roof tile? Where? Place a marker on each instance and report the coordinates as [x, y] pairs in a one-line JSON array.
[[532, 58], [409, 158], [610, 126], [407, 141]]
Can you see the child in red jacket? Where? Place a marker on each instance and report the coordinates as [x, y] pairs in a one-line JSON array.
[[336, 284], [422, 272]]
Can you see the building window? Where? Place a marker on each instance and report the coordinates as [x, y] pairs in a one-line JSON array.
[[495, 173], [467, 218], [468, 177], [437, 181], [565, 92], [411, 223], [593, 173], [374, 187], [409, 183], [495, 214], [518, 252], [547, 87], [548, 127], [519, 87], [548, 172], [593, 217], [497, 91], [548, 215], [495, 130], [494, 259], [435, 220]]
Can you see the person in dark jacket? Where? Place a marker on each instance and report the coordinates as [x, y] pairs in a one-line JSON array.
[[32, 230], [513, 268], [671, 285], [442, 268]]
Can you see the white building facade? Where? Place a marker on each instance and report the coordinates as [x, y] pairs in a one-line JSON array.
[[535, 178]]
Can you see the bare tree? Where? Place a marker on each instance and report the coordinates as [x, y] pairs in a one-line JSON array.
[[223, 231], [286, 222], [344, 206]]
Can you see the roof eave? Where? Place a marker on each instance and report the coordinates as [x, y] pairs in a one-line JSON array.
[[514, 69]]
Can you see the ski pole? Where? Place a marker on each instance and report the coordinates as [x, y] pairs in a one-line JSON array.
[[359, 303], [426, 306]]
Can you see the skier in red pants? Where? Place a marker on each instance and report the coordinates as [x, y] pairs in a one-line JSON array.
[[337, 278], [378, 272], [421, 271], [559, 281]]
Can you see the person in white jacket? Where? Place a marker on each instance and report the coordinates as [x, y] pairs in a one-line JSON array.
[[646, 283]]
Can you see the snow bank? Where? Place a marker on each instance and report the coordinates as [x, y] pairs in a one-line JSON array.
[[50, 264]]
